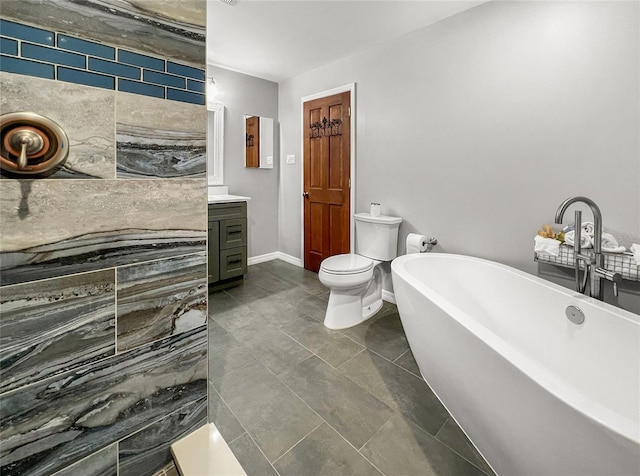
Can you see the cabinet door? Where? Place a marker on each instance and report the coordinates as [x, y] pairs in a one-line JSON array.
[[233, 233], [233, 262], [213, 251]]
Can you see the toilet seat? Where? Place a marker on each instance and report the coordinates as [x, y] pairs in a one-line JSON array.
[[346, 264]]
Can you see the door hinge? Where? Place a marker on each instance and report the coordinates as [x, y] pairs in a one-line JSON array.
[[349, 183], [349, 111]]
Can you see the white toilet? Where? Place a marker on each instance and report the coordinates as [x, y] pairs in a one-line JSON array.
[[355, 280]]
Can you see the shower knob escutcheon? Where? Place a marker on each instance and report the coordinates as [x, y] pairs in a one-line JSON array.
[[31, 144]]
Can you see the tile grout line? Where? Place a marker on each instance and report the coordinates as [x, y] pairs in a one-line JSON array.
[[398, 358], [298, 442], [356, 449], [245, 430]]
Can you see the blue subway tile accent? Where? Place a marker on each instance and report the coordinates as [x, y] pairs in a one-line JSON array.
[[116, 69], [52, 55], [185, 96], [24, 32], [87, 47], [88, 79], [8, 46], [183, 70], [161, 78], [140, 88], [136, 59], [196, 86], [30, 68]]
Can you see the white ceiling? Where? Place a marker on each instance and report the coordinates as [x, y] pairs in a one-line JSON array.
[[276, 40]]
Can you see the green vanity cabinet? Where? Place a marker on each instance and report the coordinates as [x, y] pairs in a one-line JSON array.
[[227, 243]]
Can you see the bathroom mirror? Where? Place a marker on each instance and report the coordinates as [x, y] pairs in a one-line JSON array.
[[258, 135], [215, 143]]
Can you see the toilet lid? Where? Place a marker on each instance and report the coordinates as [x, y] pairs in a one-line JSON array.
[[346, 264]]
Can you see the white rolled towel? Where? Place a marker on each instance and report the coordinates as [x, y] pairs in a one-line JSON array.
[[635, 249], [588, 228], [610, 244], [585, 240], [547, 246]]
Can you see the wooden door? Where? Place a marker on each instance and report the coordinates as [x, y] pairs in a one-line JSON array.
[[327, 164], [252, 137]]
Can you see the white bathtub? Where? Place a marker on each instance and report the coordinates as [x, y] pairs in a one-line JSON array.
[[536, 394]]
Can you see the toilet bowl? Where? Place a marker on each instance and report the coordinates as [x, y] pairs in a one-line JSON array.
[[355, 280]]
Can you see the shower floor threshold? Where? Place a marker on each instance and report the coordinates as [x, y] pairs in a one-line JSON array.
[[204, 452]]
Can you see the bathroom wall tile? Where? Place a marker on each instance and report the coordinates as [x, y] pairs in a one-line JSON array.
[[119, 222], [116, 69], [157, 141], [183, 70], [196, 86], [88, 47], [9, 64], [51, 424], [149, 450], [185, 96], [140, 25], [137, 87], [24, 32], [102, 463], [8, 46], [86, 114], [86, 78], [52, 55], [164, 79], [137, 59], [51, 326], [161, 298]]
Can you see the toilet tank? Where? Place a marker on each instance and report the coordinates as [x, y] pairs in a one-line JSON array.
[[377, 237]]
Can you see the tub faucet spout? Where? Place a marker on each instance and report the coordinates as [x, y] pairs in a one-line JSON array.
[[597, 261]]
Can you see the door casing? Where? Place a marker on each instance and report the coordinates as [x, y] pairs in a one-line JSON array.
[[352, 173]]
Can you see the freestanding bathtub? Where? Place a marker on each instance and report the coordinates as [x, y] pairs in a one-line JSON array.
[[536, 393]]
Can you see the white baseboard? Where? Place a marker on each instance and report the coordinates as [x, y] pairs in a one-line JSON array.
[[388, 296], [262, 258], [290, 259], [275, 255]]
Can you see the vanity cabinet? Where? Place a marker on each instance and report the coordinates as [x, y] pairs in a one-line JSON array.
[[227, 243]]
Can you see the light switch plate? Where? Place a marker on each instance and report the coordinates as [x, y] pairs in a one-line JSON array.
[[269, 159], [291, 159]]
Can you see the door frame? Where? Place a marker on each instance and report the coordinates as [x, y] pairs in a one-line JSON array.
[[351, 87]]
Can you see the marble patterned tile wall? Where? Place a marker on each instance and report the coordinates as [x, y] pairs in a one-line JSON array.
[[103, 341], [154, 141], [86, 115]]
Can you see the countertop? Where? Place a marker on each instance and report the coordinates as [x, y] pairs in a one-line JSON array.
[[226, 198]]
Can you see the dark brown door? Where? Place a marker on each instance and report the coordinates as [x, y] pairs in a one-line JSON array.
[[252, 149], [327, 164]]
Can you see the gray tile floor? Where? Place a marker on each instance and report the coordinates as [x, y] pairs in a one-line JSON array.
[[292, 397]]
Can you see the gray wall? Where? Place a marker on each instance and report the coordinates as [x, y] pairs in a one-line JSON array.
[[243, 94], [476, 128]]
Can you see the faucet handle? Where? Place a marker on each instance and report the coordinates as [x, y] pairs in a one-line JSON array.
[[612, 276]]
